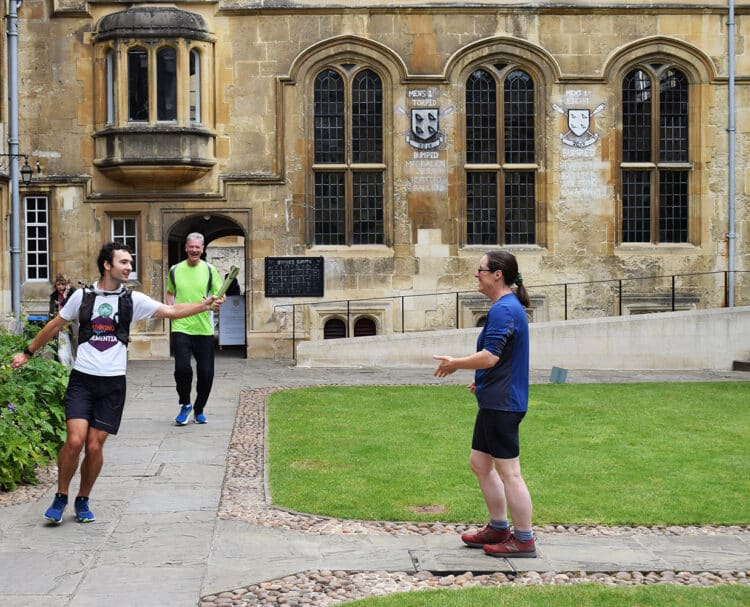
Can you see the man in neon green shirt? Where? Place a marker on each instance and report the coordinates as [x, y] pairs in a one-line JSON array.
[[192, 280]]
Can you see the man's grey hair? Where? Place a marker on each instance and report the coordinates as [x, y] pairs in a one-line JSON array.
[[195, 236]]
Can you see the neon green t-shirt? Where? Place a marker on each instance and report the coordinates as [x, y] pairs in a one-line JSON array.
[[191, 286]]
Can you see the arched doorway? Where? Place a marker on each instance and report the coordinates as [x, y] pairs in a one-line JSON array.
[[226, 244]]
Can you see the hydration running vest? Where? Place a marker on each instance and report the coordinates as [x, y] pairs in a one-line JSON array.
[[122, 319]]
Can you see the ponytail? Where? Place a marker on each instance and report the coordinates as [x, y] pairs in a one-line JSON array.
[[507, 264]]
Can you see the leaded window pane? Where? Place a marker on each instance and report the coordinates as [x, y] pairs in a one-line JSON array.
[[367, 118], [519, 117], [481, 208], [330, 208], [195, 87], [520, 211], [367, 208], [636, 117], [137, 84], [673, 206], [110, 76], [673, 117], [636, 206], [166, 84], [329, 118], [481, 118]]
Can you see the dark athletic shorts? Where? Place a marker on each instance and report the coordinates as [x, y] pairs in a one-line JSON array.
[[100, 400], [496, 433]]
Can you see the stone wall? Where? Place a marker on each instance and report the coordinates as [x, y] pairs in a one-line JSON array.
[[257, 183]]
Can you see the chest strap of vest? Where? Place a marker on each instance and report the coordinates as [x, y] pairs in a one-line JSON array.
[[122, 319]]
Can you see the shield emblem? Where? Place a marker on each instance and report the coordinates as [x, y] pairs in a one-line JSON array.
[[425, 123], [578, 121]]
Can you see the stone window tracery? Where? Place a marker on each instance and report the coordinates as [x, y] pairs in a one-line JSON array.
[[655, 165], [501, 164], [348, 163]]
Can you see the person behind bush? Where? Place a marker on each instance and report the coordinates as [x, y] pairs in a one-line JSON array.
[[95, 395], [65, 339], [501, 387]]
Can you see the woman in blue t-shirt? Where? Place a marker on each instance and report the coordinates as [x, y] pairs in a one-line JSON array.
[[501, 387]]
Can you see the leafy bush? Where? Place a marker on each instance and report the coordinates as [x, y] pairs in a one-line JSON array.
[[32, 414]]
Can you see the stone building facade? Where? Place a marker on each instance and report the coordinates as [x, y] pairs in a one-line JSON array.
[[366, 154]]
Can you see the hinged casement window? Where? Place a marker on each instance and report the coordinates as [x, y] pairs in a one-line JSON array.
[[36, 214], [655, 166], [348, 160], [125, 230], [501, 158]]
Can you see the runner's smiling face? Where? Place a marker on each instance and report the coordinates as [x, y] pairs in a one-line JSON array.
[[194, 250], [122, 265]]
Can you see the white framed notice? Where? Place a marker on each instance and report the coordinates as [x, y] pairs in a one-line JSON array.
[[232, 321]]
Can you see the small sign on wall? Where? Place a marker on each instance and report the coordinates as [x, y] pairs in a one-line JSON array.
[[294, 277]]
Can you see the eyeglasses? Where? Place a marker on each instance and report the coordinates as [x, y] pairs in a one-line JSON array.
[[481, 269]]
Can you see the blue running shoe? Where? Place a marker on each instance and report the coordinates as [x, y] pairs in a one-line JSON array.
[[184, 416], [200, 418], [55, 511], [83, 512]]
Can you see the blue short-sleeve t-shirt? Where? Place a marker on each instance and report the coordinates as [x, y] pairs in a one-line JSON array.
[[505, 386]]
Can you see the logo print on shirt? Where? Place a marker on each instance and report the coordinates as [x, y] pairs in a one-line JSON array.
[[103, 327]]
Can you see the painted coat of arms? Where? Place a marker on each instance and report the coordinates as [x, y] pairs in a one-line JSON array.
[[579, 133], [425, 128]]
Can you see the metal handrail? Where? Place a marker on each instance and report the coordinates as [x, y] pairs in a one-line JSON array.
[[565, 285]]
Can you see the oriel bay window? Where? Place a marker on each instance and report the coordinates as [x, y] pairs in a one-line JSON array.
[[655, 167], [153, 97], [501, 165], [348, 163]]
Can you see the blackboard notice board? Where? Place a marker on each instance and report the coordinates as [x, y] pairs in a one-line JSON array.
[[294, 277]]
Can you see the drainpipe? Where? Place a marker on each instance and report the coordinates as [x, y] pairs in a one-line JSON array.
[[731, 236], [15, 236]]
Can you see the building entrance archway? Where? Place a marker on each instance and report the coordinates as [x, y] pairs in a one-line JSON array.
[[226, 244]]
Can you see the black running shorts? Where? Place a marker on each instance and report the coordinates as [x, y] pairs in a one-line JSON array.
[[496, 433], [100, 400]]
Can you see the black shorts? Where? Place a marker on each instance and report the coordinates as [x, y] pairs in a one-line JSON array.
[[496, 433], [100, 400]]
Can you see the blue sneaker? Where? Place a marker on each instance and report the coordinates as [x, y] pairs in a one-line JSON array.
[[83, 512], [200, 418], [55, 511], [184, 416]]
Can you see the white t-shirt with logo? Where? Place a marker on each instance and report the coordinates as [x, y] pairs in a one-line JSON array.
[[104, 354]]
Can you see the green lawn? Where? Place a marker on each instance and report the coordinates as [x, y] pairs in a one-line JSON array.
[[616, 454], [581, 595]]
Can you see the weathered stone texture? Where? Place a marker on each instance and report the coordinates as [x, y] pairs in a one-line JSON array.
[[258, 112]]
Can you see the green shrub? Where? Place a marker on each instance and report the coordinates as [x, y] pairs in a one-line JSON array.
[[32, 414]]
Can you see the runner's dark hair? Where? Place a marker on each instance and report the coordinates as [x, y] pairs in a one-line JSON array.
[[507, 264]]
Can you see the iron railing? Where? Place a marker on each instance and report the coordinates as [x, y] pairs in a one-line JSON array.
[[683, 291]]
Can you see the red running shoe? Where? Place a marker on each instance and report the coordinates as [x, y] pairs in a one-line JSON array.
[[512, 548], [488, 535]]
